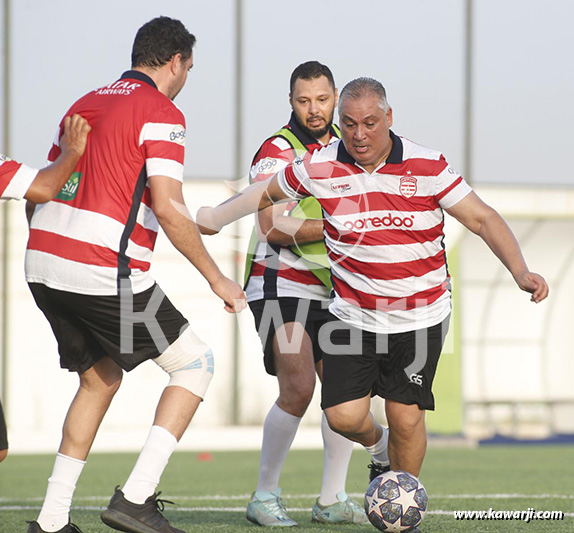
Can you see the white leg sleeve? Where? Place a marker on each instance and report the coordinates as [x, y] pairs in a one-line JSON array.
[[189, 363]]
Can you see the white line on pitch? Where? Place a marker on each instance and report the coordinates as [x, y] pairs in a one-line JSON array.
[[205, 509], [246, 497]]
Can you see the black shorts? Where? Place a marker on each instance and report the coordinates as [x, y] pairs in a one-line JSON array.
[[89, 327], [311, 313], [398, 366], [3, 431]]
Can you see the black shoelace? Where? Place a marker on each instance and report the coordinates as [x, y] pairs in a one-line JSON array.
[[160, 504]]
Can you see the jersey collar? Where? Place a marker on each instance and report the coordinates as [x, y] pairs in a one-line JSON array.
[[395, 157], [302, 135], [137, 75]]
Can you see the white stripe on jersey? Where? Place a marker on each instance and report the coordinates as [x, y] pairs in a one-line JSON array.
[[412, 150], [286, 188], [286, 256], [156, 166], [386, 253], [399, 321], [138, 253], [383, 220], [87, 226], [286, 288], [65, 275], [456, 195], [20, 183], [146, 218], [154, 131]]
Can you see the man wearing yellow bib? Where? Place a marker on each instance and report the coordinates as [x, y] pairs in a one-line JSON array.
[[288, 283]]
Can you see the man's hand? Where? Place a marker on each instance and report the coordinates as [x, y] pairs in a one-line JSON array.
[[231, 294], [205, 221], [51, 179], [254, 198], [534, 284], [75, 137]]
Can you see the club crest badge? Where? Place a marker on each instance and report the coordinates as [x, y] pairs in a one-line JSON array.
[[408, 186]]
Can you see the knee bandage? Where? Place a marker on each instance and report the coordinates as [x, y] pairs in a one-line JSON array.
[[189, 363]]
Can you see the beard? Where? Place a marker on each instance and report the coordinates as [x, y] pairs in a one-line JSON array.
[[315, 133]]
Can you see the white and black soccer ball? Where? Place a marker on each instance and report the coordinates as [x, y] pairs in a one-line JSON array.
[[396, 501]]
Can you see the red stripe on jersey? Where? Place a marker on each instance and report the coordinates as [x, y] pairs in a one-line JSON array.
[[72, 249], [143, 237], [384, 236], [258, 269], [146, 198], [285, 272], [294, 182], [390, 271], [381, 303], [299, 276], [144, 266], [81, 252], [8, 170], [442, 194], [164, 150]]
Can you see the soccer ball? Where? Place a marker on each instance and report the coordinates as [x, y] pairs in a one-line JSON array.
[[396, 501]]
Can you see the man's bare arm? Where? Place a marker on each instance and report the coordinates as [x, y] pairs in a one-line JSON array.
[[485, 221], [50, 180], [276, 228], [254, 198], [169, 208]]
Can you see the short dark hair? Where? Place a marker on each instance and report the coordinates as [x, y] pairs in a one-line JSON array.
[[158, 40], [309, 71]]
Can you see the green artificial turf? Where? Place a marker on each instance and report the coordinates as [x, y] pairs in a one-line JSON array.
[[212, 490]]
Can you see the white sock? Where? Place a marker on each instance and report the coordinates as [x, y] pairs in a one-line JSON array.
[[279, 430], [380, 450], [150, 465], [55, 513], [337, 454]]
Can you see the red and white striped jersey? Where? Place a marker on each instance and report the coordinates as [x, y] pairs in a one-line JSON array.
[[384, 232], [277, 271], [15, 179], [101, 229]]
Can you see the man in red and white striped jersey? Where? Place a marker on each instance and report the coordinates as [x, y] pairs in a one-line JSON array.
[[87, 264], [383, 197], [18, 181], [287, 290]]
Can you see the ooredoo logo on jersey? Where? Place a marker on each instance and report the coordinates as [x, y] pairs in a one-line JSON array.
[[387, 221]]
